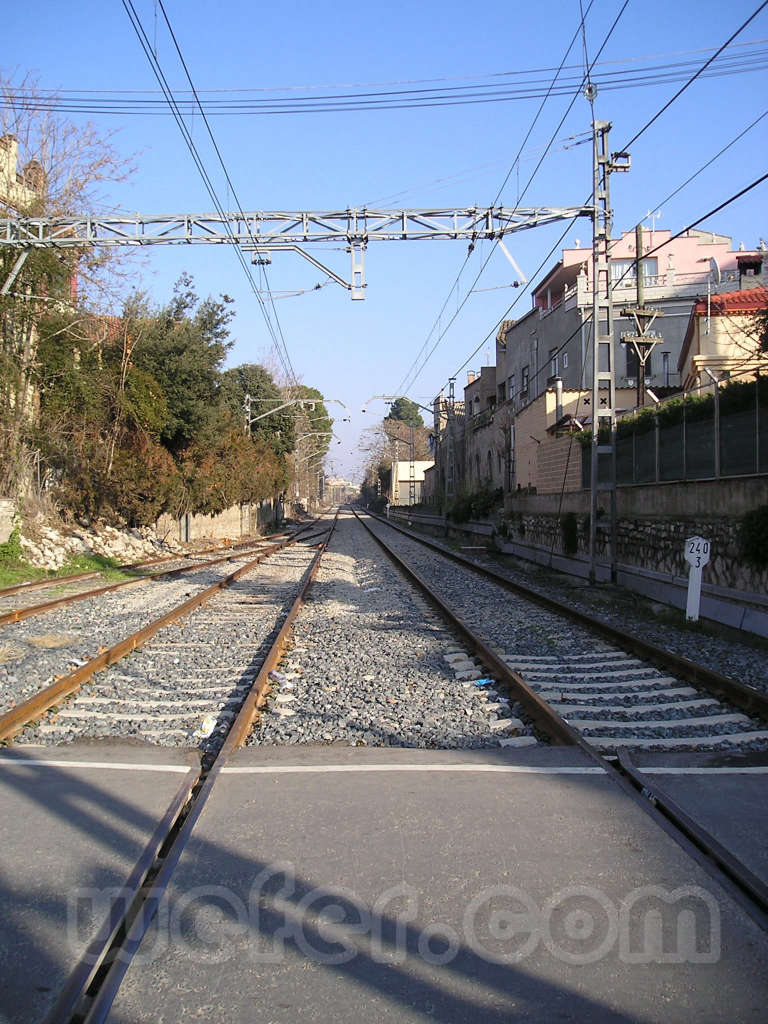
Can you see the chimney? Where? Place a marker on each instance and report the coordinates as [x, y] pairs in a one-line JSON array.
[[557, 384]]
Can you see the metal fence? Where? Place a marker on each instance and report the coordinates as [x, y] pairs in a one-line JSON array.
[[725, 440]]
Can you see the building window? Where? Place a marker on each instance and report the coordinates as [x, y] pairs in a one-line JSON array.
[[524, 380], [553, 362], [626, 270], [501, 393], [665, 367], [511, 388], [565, 360]]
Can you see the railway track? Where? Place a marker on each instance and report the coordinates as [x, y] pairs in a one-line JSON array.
[[299, 670], [151, 701], [615, 690], [20, 602]]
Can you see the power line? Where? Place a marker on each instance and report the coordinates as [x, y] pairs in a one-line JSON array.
[[584, 78], [413, 81], [197, 159], [413, 373], [650, 252], [697, 74], [726, 147], [287, 365], [648, 124], [133, 103]]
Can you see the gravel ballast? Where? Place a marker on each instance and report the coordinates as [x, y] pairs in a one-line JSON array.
[[371, 664]]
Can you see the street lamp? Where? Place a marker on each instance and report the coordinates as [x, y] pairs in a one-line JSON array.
[[309, 402], [394, 398]]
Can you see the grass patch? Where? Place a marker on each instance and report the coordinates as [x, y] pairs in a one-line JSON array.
[[14, 569], [108, 567]]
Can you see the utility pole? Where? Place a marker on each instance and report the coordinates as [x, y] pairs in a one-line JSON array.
[[412, 472], [644, 340], [603, 369]]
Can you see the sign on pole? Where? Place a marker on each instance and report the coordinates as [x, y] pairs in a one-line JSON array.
[[696, 555]]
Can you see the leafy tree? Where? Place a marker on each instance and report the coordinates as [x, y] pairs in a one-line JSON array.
[[100, 419], [229, 468], [183, 347], [405, 410], [277, 430]]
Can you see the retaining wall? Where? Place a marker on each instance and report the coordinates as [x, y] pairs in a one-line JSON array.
[[649, 558]]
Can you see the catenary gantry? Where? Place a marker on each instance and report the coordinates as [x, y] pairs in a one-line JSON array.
[[264, 232], [278, 227]]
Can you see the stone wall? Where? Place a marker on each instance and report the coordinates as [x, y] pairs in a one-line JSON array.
[[656, 544], [234, 522], [7, 516]]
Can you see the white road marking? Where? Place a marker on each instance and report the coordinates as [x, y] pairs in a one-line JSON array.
[[19, 762], [322, 769]]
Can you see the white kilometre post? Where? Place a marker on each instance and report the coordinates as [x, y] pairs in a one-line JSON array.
[[697, 556]]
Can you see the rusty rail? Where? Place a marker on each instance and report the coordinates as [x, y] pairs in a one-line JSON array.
[[744, 697], [19, 614], [13, 721], [110, 954]]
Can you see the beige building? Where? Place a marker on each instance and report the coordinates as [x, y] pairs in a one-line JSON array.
[[400, 482], [18, 191], [722, 337]]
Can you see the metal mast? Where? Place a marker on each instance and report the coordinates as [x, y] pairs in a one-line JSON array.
[[603, 454]]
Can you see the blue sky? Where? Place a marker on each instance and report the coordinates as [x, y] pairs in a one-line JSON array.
[[438, 156]]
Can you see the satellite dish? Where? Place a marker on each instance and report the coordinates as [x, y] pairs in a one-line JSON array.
[[714, 270]]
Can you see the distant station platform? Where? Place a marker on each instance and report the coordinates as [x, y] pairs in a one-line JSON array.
[[397, 885], [75, 820]]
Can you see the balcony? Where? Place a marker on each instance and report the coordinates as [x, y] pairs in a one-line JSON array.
[[482, 419]]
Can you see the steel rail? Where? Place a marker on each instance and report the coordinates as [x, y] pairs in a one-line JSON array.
[[92, 960], [727, 869], [54, 581], [744, 697], [28, 612], [545, 717], [13, 721], [754, 887], [109, 955]]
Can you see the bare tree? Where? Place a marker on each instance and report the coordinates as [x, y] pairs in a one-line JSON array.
[[49, 166]]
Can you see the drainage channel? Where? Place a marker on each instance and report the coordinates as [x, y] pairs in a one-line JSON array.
[[92, 986]]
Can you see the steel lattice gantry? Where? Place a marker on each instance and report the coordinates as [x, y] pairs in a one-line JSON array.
[[263, 232]]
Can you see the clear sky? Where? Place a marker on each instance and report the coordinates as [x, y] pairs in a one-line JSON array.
[[435, 156]]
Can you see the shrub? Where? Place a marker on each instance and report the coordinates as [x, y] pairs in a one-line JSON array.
[[10, 552], [569, 529], [753, 537]]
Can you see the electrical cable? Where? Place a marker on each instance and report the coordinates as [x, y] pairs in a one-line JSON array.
[[162, 81], [110, 102], [693, 78], [584, 78], [288, 366], [419, 81], [727, 146], [414, 370], [666, 106], [574, 333]]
